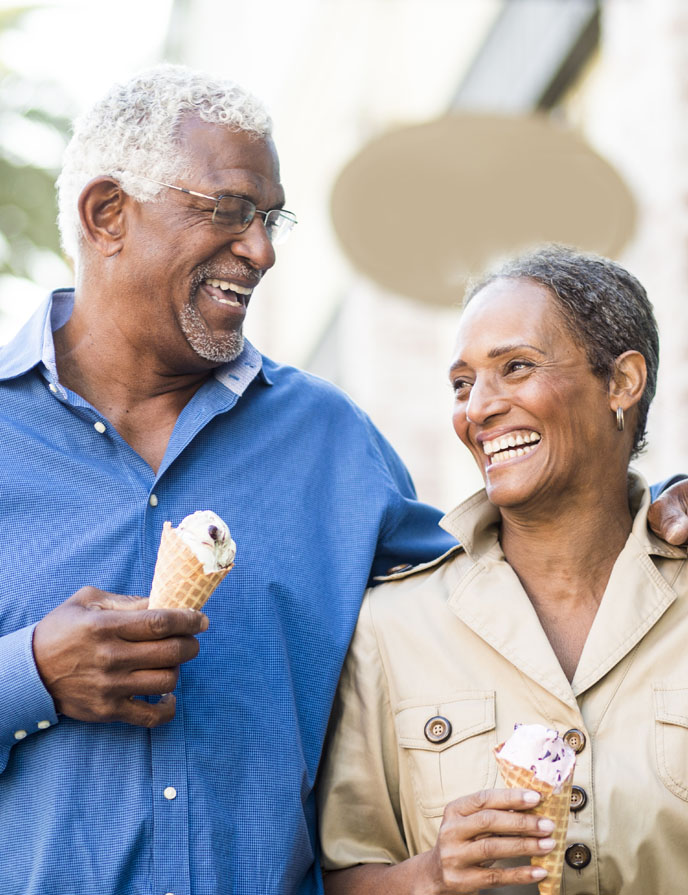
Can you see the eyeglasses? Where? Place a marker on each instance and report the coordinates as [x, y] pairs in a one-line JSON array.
[[236, 213]]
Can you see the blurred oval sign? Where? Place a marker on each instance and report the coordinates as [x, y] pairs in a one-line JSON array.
[[422, 208]]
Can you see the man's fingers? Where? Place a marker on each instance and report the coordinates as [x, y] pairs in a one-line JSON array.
[[146, 714], [157, 624], [124, 656], [668, 515]]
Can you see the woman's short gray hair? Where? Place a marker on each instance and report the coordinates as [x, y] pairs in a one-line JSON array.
[[604, 307], [134, 129]]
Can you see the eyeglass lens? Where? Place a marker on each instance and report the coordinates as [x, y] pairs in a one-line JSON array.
[[236, 214]]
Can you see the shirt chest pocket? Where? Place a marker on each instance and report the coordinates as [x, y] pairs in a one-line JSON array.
[[447, 747], [671, 738]]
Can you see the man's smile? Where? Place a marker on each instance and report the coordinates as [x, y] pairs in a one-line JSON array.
[[227, 292]]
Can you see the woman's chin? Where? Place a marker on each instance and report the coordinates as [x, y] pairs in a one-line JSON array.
[[508, 488]]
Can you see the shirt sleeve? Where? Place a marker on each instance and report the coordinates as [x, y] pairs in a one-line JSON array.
[[26, 707], [358, 787], [410, 532]]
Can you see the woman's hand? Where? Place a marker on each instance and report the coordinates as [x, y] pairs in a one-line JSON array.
[[480, 828], [476, 830]]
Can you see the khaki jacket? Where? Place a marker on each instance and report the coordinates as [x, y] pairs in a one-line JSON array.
[[459, 639]]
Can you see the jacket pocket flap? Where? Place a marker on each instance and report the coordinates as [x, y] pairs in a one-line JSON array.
[[469, 713], [671, 705]]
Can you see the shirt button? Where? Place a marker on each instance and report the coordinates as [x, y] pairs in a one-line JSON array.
[[400, 568], [43, 724], [170, 792], [53, 388], [19, 734], [437, 729], [99, 427], [153, 500], [579, 798], [575, 739], [578, 856]]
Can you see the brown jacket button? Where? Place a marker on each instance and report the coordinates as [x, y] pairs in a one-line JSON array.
[[404, 567], [579, 798], [437, 729], [575, 739], [578, 856]]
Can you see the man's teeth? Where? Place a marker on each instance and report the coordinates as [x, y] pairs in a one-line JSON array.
[[226, 286], [515, 444]]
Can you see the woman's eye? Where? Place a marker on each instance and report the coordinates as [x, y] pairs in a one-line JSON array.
[[461, 386], [515, 366]]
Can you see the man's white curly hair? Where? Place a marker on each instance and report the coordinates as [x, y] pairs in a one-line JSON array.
[[134, 130]]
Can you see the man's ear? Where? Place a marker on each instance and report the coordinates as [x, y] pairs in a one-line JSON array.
[[102, 210], [627, 383]]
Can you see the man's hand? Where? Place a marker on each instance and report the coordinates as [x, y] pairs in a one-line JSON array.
[[97, 650], [668, 515]]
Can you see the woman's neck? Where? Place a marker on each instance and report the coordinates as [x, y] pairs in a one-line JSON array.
[[564, 559]]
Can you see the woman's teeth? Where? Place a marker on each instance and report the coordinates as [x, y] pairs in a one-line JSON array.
[[515, 444]]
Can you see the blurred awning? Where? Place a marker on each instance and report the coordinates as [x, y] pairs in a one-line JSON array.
[[422, 208]]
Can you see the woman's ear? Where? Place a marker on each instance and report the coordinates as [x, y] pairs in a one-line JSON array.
[[102, 210], [627, 383]]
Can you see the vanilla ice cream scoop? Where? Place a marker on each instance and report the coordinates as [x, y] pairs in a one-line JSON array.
[[541, 750], [208, 537]]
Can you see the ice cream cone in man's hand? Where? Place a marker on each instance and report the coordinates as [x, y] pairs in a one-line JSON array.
[[192, 560], [536, 757]]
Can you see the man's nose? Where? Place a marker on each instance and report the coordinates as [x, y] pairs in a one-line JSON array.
[[487, 399], [254, 245]]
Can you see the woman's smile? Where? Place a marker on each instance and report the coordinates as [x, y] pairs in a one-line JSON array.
[[515, 444]]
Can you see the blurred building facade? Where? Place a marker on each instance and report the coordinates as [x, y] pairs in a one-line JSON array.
[[621, 79]]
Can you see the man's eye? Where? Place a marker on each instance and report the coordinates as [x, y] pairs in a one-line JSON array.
[[232, 211]]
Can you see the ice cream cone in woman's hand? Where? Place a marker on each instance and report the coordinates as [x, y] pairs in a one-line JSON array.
[[537, 758]]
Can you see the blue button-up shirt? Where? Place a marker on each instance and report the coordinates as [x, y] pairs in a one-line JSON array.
[[220, 799]]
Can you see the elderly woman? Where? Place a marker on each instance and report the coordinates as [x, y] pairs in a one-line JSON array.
[[561, 608]]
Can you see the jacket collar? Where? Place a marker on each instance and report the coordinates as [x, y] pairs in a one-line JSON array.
[[490, 599]]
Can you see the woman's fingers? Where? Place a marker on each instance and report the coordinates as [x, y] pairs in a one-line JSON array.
[[488, 826]]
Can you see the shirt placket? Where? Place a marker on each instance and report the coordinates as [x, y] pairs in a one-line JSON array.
[[170, 807], [581, 875]]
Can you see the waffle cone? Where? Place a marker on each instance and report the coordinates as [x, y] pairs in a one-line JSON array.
[[179, 581], [554, 805]]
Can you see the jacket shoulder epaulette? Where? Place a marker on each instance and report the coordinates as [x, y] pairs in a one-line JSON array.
[[405, 570]]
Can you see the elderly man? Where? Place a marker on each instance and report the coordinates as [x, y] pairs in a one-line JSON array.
[[134, 399]]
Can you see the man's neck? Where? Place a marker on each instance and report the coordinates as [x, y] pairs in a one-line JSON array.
[[128, 385]]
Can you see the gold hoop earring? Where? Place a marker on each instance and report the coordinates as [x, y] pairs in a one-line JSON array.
[[620, 419]]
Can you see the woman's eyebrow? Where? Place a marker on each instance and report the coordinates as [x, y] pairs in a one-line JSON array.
[[505, 349]]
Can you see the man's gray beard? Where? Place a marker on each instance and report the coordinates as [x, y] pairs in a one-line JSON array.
[[219, 349]]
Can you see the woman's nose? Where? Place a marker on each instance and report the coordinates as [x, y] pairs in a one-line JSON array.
[[486, 400]]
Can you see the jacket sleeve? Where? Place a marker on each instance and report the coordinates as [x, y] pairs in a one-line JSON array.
[[358, 787], [26, 707]]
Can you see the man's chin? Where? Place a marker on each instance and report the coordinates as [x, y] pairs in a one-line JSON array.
[[217, 348]]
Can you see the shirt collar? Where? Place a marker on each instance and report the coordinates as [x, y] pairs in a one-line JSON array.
[[475, 523], [34, 345]]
